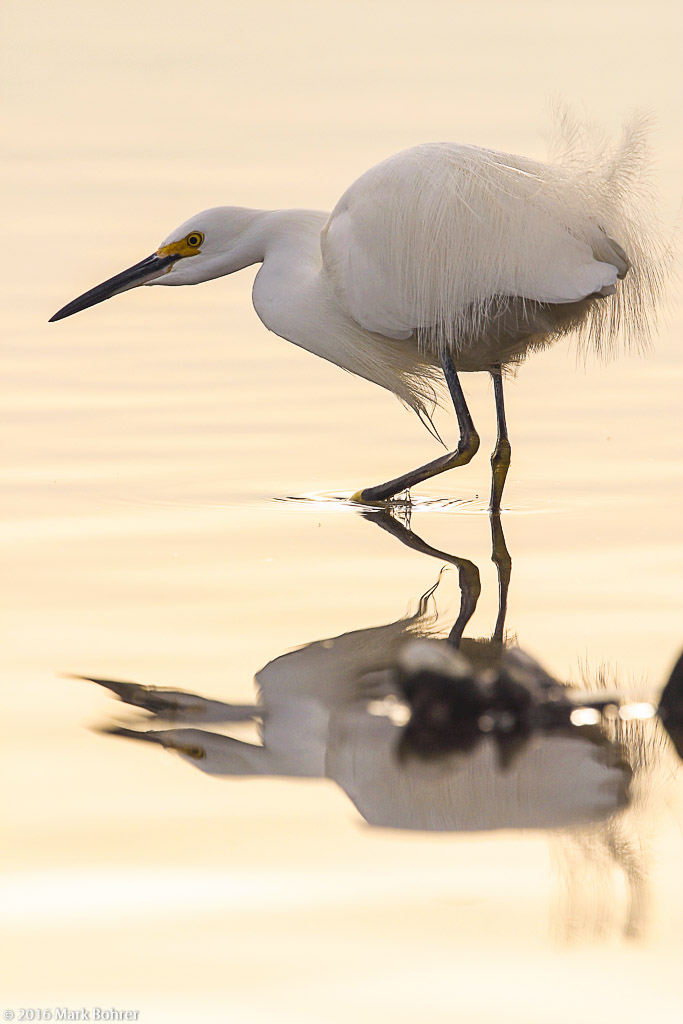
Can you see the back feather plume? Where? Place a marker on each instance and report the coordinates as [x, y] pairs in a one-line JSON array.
[[439, 240], [617, 181]]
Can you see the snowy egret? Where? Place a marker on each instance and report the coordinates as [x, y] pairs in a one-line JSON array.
[[358, 734], [442, 258]]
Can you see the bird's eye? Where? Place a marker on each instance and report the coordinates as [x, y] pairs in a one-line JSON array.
[[196, 753], [195, 239]]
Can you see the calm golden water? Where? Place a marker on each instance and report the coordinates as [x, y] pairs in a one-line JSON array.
[[147, 441]]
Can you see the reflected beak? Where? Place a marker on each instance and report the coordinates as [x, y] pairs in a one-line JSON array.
[[142, 273], [151, 736], [170, 739]]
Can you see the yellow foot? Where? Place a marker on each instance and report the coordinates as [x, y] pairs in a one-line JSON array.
[[359, 498], [400, 498]]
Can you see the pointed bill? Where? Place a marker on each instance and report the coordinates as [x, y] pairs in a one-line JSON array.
[[142, 273]]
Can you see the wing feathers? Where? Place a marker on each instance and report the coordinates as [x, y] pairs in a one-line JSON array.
[[429, 239]]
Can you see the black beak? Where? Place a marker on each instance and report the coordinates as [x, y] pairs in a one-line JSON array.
[[142, 273]]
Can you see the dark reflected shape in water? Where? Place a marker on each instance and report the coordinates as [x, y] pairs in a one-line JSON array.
[[453, 706], [671, 706]]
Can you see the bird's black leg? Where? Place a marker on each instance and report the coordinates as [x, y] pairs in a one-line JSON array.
[[500, 458], [466, 450]]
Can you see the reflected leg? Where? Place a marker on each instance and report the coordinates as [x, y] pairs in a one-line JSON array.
[[500, 556], [468, 574], [467, 447], [500, 459], [470, 589]]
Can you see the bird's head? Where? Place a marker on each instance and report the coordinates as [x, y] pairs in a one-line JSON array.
[[209, 245], [208, 751]]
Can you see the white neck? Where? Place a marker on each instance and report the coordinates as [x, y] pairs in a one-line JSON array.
[[293, 295], [257, 235]]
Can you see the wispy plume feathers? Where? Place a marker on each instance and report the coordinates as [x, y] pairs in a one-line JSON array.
[[486, 254]]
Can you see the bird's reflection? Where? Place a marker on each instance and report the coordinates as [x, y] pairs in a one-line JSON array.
[[420, 732]]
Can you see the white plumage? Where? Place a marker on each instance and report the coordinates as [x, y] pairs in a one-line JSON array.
[[427, 236], [433, 238], [445, 257]]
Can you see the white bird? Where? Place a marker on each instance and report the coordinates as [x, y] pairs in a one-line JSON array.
[[442, 258]]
